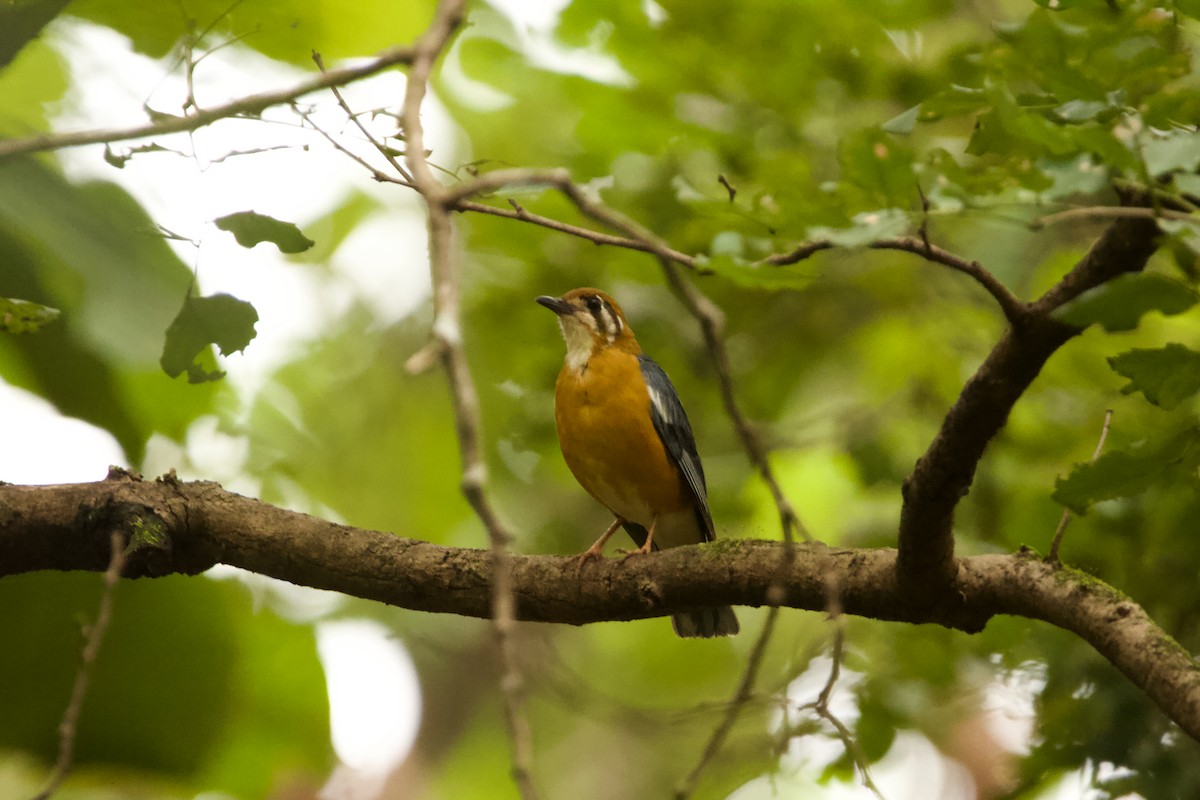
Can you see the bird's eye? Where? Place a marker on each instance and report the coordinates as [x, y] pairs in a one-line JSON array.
[[593, 302]]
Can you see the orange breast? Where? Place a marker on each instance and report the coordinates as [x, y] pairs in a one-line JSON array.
[[609, 441]]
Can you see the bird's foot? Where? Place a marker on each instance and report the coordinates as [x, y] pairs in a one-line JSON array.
[[641, 551], [591, 554]]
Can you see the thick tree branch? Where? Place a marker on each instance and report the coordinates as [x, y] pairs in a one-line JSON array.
[[68, 527], [943, 475]]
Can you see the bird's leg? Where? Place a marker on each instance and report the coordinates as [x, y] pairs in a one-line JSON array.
[[646, 545], [593, 552]]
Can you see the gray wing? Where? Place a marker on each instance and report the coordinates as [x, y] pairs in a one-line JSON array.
[[675, 431]]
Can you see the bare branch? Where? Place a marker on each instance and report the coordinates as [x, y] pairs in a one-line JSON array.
[[69, 726], [638, 237], [822, 710], [596, 237], [1108, 213], [712, 324], [741, 696], [249, 106], [1014, 310], [1052, 556], [443, 252], [378, 145], [519, 212], [376, 174]]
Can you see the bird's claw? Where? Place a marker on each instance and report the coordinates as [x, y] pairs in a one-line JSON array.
[[628, 554], [591, 554]]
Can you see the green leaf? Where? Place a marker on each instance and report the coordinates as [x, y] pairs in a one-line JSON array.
[[953, 102], [1189, 7], [1179, 152], [1080, 110], [169, 638], [1166, 376], [251, 228], [219, 319], [878, 162], [285, 30], [30, 84], [868, 227], [726, 259], [1077, 176], [1110, 150], [83, 248], [23, 21], [1127, 473], [22, 316], [903, 123], [1187, 183], [1120, 303], [756, 276]]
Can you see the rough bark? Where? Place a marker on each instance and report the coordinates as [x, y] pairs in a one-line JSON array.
[[188, 527], [943, 475]]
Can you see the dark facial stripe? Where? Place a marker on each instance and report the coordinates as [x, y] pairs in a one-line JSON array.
[[607, 321]]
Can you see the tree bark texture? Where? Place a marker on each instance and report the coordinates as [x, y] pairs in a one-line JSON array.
[[176, 527]]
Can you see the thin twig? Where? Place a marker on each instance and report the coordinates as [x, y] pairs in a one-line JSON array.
[[799, 253], [822, 710], [560, 179], [1112, 212], [378, 145], [640, 238], [834, 609], [712, 324], [1052, 556], [248, 106], [721, 179], [448, 338], [595, 237], [376, 174], [1014, 310], [820, 707], [491, 182], [68, 728], [740, 697]]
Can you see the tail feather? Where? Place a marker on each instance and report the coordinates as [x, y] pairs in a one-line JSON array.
[[705, 623], [701, 623]]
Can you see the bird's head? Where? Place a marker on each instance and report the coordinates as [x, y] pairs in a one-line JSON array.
[[590, 321]]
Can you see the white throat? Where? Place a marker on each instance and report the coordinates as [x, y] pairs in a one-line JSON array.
[[579, 343]]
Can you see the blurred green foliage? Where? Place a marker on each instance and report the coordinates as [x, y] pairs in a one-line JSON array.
[[732, 131]]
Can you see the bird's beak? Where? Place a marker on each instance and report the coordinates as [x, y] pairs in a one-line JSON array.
[[555, 304]]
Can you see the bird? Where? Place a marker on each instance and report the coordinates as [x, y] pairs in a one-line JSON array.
[[625, 437]]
